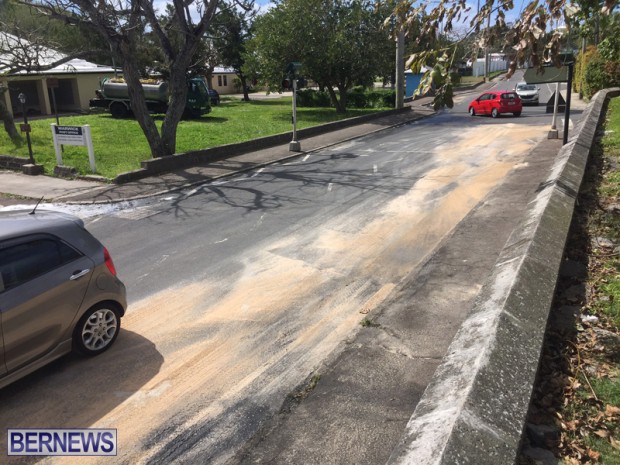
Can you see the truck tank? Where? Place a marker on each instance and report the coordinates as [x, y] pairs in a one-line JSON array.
[[118, 90]]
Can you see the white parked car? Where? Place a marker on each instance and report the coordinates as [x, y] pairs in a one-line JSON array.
[[528, 93]]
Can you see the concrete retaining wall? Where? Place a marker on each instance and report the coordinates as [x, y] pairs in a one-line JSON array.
[[157, 166], [13, 163], [474, 410]]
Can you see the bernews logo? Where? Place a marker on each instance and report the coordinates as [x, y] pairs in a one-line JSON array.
[[84, 441]]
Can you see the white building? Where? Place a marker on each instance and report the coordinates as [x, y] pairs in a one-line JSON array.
[[72, 84], [497, 62]]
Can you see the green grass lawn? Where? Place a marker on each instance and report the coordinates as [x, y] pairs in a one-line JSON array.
[[470, 80], [120, 144]]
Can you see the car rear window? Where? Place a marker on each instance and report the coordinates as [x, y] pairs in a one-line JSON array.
[[509, 96]]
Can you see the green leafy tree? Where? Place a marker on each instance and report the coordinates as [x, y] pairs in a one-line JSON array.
[[24, 21], [535, 38], [25, 45], [338, 43], [609, 47], [154, 57], [232, 29], [121, 25], [210, 59]]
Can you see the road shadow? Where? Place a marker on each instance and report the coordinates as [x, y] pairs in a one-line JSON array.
[[297, 185], [76, 391]]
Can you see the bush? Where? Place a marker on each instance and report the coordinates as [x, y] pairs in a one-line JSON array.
[[594, 72], [358, 97], [600, 74], [380, 99], [362, 98], [609, 48], [313, 98], [305, 97], [323, 99], [375, 99], [594, 76]]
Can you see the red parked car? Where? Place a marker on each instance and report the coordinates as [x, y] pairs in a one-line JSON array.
[[495, 103]]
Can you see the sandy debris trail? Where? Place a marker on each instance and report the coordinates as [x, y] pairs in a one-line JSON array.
[[200, 365]]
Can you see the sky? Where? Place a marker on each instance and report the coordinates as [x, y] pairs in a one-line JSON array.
[[511, 16], [265, 5]]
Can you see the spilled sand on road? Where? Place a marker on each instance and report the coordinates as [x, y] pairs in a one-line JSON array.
[[279, 317]]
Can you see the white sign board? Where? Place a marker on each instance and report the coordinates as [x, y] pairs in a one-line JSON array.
[[546, 75], [73, 135]]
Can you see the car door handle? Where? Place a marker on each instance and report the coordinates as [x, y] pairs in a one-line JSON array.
[[78, 274]]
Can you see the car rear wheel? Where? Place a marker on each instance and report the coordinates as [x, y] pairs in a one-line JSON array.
[[472, 112], [494, 113], [97, 329], [517, 113]]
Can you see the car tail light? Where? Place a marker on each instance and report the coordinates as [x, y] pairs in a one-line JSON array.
[[108, 261]]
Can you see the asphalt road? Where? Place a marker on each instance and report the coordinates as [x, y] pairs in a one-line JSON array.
[[240, 289]]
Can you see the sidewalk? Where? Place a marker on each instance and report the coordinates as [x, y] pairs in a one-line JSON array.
[[81, 191]]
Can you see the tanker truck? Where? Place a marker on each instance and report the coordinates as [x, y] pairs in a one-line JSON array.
[[114, 97]]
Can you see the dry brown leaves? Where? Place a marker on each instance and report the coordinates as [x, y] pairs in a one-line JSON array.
[[588, 415], [573, 359]]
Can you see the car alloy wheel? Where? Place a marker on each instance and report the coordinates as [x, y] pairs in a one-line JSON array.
[[472, 112], [494, 113], [97, 330]]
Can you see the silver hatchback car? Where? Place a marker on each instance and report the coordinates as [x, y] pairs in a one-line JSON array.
[[58, 291], [528, 93]]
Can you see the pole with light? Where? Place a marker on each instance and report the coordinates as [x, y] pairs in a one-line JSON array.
[[292, 75], [26, 127]]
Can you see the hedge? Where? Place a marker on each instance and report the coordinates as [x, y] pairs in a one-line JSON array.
[[356, 98]]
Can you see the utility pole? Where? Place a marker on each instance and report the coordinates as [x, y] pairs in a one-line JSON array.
[[486, 49], [400, 68], [292, 75], [569, 86], [294, 145]]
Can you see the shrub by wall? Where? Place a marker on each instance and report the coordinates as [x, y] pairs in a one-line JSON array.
[[455, 78], [594, 72], [313, 98], [358, 97]]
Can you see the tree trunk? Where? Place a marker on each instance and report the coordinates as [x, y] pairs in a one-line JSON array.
[[333, 97], [131, 74], [342, 91], [341, 103], [244, 85], [176, 106], [7, 118]]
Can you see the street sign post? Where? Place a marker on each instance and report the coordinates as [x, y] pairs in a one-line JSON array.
[[550, 74], [546, 75], [73, 135], [53, 84], [26, 127]]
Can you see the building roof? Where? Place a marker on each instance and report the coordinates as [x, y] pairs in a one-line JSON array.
[[36, 56]]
